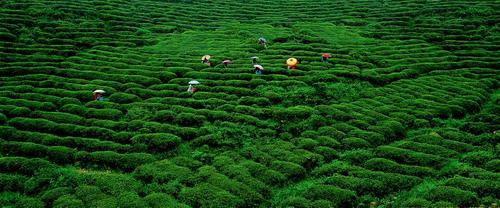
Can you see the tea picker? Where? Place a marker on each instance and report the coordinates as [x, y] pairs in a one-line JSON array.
[[191, 88], [291, 63], [98, 95], [205, 60], [325, 57], [225, 63], [263, 42], [258, 69], [254, 59]]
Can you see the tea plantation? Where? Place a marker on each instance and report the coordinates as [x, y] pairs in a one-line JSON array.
[[405, 113]]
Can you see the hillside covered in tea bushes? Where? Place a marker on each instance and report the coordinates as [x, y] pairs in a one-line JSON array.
[[406, 113]]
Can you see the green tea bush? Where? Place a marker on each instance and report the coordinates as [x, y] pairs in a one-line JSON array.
[[357, 157], [158, 142], [438, 140], [74, 109], [416, 202], [108, 114], [483, 188], [101, 159], [478, 158], [207, 195], [59, 117], [30, 202], [390, 166], [296, 201], [341, 197], [160, 200], [51, 195], [68, 201], [395, 182], [427, 148], [493, 165], [407, 156], [161, 172], [12, 183], [3, 118], [291, 170], [124, 98], [189, 119], [242, 191], [355, 143], [454, 195], [362, 186]]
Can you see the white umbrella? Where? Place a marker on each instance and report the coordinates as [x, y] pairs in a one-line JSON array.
[[258, 67], [255, 57], [193, 82], [99, 91], [262, 39]]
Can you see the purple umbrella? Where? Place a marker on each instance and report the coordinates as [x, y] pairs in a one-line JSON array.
[[262, 39], [258, 67], [226, 62]]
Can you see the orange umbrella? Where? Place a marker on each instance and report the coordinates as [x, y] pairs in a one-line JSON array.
[[291, 62]]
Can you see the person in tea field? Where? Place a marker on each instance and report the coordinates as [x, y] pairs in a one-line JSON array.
[[225, 63], [263, 42], [258, 69], [254, 59], [206, 60], [325, 57], [191, 88], [98, 95]]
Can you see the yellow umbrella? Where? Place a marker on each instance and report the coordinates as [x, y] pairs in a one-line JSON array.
[[291, 62]]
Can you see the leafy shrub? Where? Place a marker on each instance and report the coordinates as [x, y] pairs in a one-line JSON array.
[[385, 165], [3, 118], [24, 166], [160, 200], [110, 159], [483, 188], [189, 119], [354, 143], [290, 170], [51, 195], [161, 172], [454, 195], [362, 186], [478, 158], [115, 184], [124, 98], [341, 197], [297, 202], [130, 199], [158, 142], [394, 182], [407, 156], [493, 165], [12, 183], [30, 202], [416, 202], [357, 157], [207, 195], [68, 201]]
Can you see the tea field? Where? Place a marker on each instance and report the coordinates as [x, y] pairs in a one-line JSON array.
[[405, 113]]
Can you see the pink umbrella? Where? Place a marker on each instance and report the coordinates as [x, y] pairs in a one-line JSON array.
[[226, 62], [258, 67], [327, 55]]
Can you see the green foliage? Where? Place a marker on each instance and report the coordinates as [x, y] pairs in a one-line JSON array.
[[454, 195], [124, 98], [159, 142], [341, 197]]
